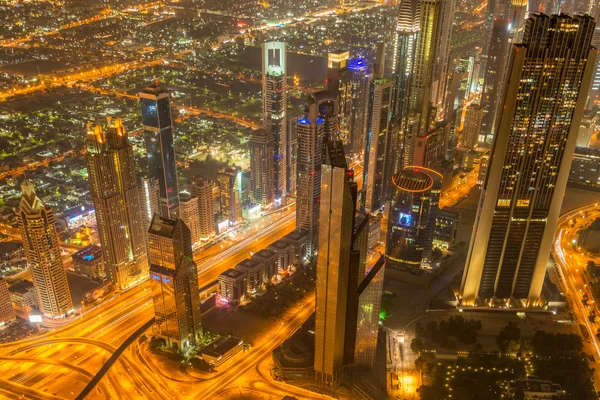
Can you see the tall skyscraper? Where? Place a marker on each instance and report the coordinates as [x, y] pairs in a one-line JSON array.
[[230, 195], [160, 148], [310, 131], [380, 146], [116, 196], [188, 208], [411, 223], [336, 226], [150, 198], [339, 82], [360, 80], [274, 108], [174, 283], [517, 13], [442, 54], [291, 155], [530, 160], [472, 127], [261, 145], [494, 76], [202, 190], [594, 93], [40, 241], [7, 312]]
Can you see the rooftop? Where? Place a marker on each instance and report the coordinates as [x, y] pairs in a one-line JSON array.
[[221, 346], [162, 226], [232, 273], [22, 287]]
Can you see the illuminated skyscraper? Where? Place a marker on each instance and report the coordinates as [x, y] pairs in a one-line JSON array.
[[40, 241], [360, 80], [411, 224], [274, 108], [160, 148], [310, 131], [149, 196], [472, 128], [547, 80], [339, 82], [116, 196], [291, 155], [202, 189], [594, 94], [230, 195], [188, 207], [517, 14], [174, 283], [261, 167], [380, 146], [334, 281], [7, 312], [494, 76], [442, 54]]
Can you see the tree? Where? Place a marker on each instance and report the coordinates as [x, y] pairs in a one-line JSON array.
[[508, 338], [416, 345]]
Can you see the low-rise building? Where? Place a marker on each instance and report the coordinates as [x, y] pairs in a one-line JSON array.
[[286, 254], [7, 312], [254, 271], [89, 262], [446, 226], [533, 388], [22, 295], [222, 350], [300, 242], [232, 285], [269, 259]]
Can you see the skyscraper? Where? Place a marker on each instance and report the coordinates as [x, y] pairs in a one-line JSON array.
[[116, 196], [261, 167], [230, 188], [472, 128], [442, 54], [149, 196], [360, 80], [188, 207], [40, 241], [274, 108], [380, 146], [529, 162], [494, 76], [7, 312], [310, 130], [339, 82], [336, 226], [202, 189], [174, 283], [411, 224], [291, 155], [594, 94], [160, 148]]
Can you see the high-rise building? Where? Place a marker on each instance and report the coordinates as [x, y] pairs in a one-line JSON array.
[[472, 127], [494, 76], [442, 54], [517, 14], [411, 223], [310, 130], [7, 312], [230, 188], [334, 280], [160, 148], [116, 196], [360, 80], [188, 208], [42, 250], [274, 109], [339, 82], [174, 283], [594, 94], [380, 146], [150, 199], [261, 145], [202, 189], [405, 40], [291, 155], [529, 162], [425, 55]]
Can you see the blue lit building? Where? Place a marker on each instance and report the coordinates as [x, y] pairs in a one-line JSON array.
[[360, 79], [160, 150]]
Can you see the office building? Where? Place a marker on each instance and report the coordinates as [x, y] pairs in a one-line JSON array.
[[585, 169], [160, 148], [517, 15], [232, 286], [472, 127], [116, 196], [380, 146], [442, 55], [7, 312], [339, 82], [261, 145], [201, 189], [150, 198], [90, 262], [255, 273], [274, 109], [594, 93], [587, 128], [269, 259], [493, 83], [412, 218], [446, 226], [42, 250], [334, 280], [529, 162], [230, 195], [188, 209], [22, 295], [174, 284], [310, 130], [360, 80]]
